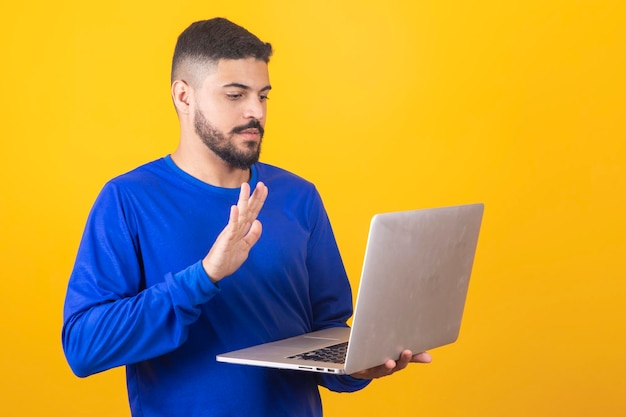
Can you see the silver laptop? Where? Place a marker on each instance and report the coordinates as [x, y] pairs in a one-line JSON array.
[[412, 294]]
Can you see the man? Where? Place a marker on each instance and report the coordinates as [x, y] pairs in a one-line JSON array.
[[166, 275]]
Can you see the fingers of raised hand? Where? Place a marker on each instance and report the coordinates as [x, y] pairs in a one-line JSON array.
[[257, 199], [245, 213], [244, 196]]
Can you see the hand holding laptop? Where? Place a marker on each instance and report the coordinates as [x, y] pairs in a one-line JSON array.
[[392, 366]]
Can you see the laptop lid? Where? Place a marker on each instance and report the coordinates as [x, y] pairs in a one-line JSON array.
[[414, 282]]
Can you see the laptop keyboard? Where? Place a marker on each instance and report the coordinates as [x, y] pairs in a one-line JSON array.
[[333, 354]]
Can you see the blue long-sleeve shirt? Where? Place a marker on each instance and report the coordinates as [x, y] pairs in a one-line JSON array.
[[138, 295]]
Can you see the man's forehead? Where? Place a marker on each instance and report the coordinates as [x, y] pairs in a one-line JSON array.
[[241, 65], [248, 72]]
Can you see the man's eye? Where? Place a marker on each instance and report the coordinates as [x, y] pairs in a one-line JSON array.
[[264, 98], [234, 96]]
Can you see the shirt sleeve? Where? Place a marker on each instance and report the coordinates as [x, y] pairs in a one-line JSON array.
[[109, 318]]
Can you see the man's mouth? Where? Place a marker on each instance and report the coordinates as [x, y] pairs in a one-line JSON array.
[[250, 132], [253, 128], [252, 135]]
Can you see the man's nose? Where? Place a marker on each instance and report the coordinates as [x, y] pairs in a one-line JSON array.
[[255, 109]]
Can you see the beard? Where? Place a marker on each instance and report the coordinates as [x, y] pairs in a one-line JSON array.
[[224, 147]]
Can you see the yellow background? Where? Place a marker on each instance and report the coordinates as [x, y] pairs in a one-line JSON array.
[[385, 105]]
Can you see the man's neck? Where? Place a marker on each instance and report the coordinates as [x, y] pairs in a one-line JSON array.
[[210, 168]]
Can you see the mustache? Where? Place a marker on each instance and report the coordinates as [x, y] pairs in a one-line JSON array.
[[253, 124]]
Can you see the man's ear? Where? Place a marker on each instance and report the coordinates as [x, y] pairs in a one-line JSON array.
[[181, 94]]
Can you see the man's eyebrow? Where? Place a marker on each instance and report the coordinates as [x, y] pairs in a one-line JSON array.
[[246, 87]]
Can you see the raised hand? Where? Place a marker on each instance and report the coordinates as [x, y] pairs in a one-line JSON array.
[[232, 246]]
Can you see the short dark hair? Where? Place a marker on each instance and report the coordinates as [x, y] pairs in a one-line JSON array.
[[208, 41]]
